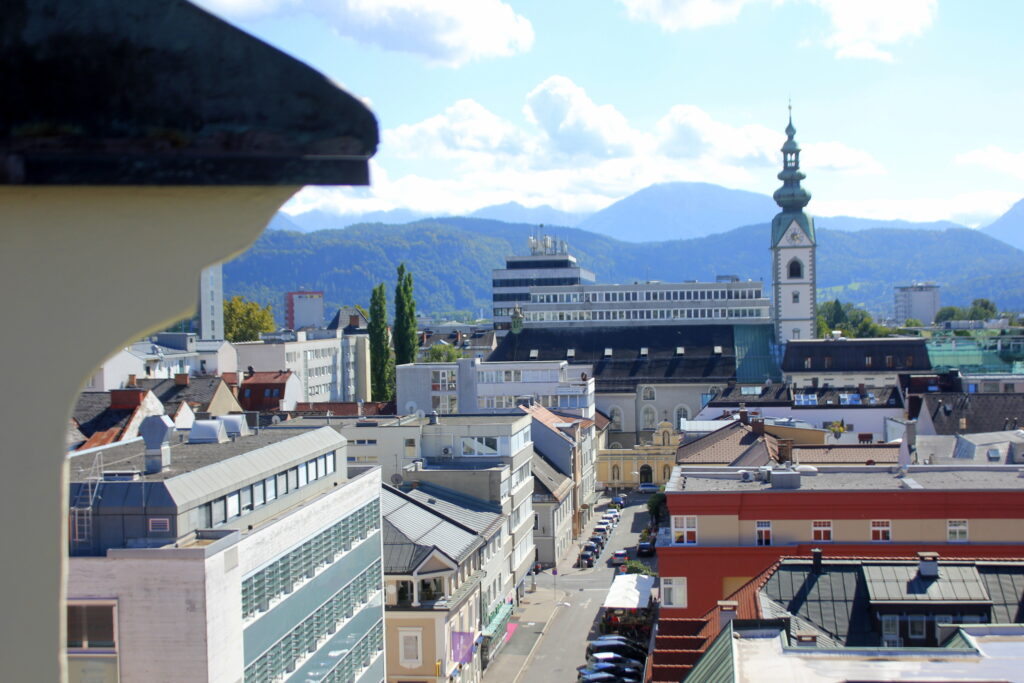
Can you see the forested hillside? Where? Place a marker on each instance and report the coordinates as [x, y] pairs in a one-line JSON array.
[[451, 261]]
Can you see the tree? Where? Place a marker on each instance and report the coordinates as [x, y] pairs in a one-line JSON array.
[[912, 322], [654, 503], [950, 313], [638, 567], [244, 320], [443, 353], [405, 318], [982, 309], [382, 372]]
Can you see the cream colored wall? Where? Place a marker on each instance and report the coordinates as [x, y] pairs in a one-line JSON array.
[[718, 530], [631, 460], [131, 252], [430, 625], [789, 531], [224, 402]]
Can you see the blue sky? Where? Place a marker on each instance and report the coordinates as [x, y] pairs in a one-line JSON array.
[[907, 109]]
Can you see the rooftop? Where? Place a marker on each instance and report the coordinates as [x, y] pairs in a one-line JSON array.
[[854, 478]]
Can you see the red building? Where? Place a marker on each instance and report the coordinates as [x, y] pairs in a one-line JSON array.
[[264, 391], [728, 526]]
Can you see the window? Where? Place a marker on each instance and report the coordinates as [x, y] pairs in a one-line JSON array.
[[916, 626], [684, 529], [410, 653], [828, 362], [649, 417], [881, 530], [480, 445], [956, 530], [889, 362], [796, 297], [807, 362], [91, 627], [796, 269], [673, 592], [763, 532], [648, 393], [890, 626], [821, 530], [233, 509], [869, 361], [159, 525]]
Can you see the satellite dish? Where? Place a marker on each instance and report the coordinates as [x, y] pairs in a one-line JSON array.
[[396, 479], [446, 450]]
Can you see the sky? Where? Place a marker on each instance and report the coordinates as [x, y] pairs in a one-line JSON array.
[[910, 109]]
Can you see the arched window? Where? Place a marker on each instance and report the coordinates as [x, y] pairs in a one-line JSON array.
[[666, 438], [615, 445], [796, 297], [646, 474], [616, 419], [648, 393], [796, 269], [616, 473], [666, 472], [682, 413], [649, 417]]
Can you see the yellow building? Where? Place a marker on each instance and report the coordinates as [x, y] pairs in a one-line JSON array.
[[651, 462]]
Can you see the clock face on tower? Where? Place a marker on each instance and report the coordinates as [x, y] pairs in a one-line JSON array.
[[796, 237]]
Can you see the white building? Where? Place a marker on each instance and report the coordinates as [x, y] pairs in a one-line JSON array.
[[470, 385], [919, 301], [548, 264], [211, 303], [303, 309], [330, 367], [250, 556]]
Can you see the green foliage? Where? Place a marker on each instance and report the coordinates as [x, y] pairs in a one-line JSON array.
[[947, 313], [453, 259], [382, 369], [244, 320], [638, 567], [913, 322], [851, 321], [654, 505], [405, 318], [442, 353], [982, 309]]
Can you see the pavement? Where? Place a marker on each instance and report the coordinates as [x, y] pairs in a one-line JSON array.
[[538, 612]]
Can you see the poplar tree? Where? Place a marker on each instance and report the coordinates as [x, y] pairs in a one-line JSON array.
[[382, 374], [405, 318]]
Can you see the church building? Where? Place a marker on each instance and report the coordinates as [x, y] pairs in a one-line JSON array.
[[794, 270]]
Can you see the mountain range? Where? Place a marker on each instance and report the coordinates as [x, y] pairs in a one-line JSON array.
[[451, 260], [657, 213]]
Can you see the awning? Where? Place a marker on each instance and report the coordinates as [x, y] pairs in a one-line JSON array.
[[629, 591], [499, 622]]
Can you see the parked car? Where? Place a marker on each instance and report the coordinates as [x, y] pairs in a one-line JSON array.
[[619, 501], [648, 487], [616, 638], [620, 557], [614, 669], [624, 648], [644, 549], [587, 558], [613, 658], [605, 677], [613, 514], [598, 540], [603, 529]]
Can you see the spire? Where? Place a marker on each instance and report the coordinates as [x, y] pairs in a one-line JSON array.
[[791, 196]]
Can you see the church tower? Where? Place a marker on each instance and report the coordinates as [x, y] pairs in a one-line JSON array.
[[794, 271]]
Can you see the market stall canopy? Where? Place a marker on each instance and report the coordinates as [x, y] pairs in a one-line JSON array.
[[630, 591]]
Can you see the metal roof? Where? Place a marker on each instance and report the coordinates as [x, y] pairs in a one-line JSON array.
[[482, 516], [902, 583], [424, 527]]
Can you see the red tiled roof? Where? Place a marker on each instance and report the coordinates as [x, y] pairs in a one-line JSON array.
[[725, 446], [348, 408], [259, 377], [846, 454]]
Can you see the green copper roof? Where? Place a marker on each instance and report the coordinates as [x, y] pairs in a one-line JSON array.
[[791, 197]]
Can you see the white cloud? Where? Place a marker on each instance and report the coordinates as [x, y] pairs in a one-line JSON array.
[[572, 153], [574, 124], [861, 27], [675, 15], [968, 208], [451, 33], [996, 159]]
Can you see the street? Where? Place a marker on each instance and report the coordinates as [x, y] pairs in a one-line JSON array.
[[573, 600]]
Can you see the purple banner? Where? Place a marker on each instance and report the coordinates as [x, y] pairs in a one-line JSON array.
[[462, 647]]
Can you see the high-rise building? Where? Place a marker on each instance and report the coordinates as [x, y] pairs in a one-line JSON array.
[[303, 309], [919, 301], [794, 271], [211, 303], [549, 264]]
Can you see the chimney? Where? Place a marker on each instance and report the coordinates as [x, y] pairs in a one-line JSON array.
[[757, 426], [458, 338], [433, 417], [423, 338], [726, 612], [785, 450], [816, 560], [155, 431], [744, 416], [249, 372], [806, 639], [132, 381], [181, 379], [928, 564], [126, 399]]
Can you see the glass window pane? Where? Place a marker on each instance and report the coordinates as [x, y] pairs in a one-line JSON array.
[[99, 620]]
